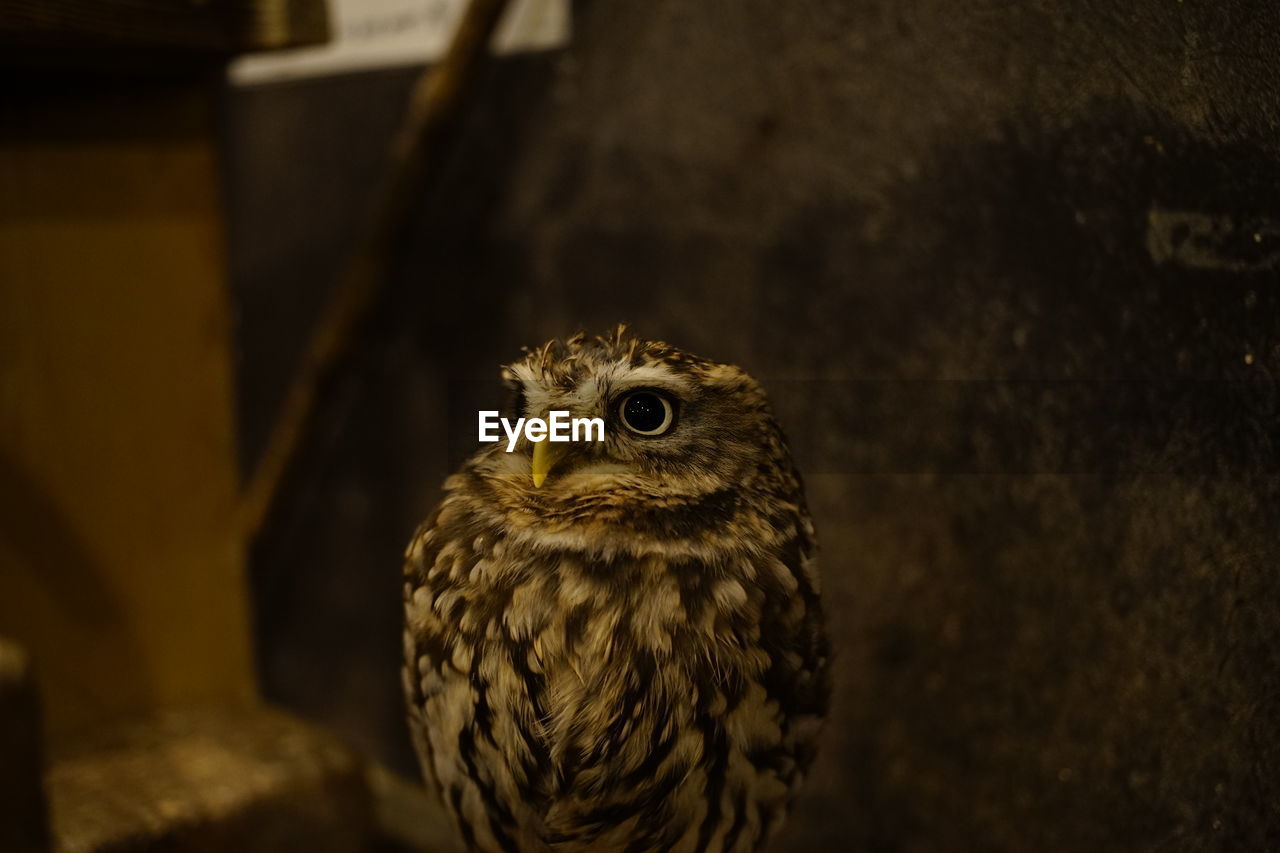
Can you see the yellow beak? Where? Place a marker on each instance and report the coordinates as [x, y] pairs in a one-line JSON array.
[[545, 457]]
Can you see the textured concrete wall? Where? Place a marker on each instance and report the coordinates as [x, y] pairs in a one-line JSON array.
[[1011, 272]]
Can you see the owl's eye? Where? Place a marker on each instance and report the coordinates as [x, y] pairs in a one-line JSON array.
[[647, 413]]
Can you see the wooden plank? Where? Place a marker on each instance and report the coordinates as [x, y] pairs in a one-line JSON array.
[[242, 778]]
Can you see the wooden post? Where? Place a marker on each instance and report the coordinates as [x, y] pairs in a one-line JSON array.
[[121, 566]]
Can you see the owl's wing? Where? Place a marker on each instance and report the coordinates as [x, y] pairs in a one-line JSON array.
[[793, 633], [468, 713], [426, 648]]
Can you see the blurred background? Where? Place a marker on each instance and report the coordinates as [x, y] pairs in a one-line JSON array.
[[1010, 272]]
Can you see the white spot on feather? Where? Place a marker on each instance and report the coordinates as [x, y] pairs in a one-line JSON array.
[[729, 594]]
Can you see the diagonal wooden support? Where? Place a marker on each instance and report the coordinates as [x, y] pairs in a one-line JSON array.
[[431, 112]]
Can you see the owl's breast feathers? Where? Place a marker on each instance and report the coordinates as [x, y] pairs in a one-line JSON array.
[[573, 697]]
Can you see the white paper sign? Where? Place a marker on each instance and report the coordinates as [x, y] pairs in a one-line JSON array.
[[370, 34]]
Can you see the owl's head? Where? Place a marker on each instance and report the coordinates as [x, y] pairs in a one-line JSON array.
[[685, 438]]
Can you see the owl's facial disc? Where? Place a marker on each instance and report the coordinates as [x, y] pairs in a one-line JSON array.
[[645, 412], [640, 410], [664, 435], [677, 428]]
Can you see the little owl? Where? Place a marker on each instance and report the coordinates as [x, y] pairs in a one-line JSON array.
[[618, 645]]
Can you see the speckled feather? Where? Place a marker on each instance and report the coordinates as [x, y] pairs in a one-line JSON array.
[[631, 657]]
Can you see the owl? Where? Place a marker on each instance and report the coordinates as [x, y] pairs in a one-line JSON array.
[[617, 645]]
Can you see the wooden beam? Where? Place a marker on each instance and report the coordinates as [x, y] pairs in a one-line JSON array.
[[90, 31]]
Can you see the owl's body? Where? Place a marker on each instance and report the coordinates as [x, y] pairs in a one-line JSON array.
[[629, 656]]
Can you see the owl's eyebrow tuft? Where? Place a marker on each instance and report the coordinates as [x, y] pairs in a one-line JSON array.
[[564, 363]]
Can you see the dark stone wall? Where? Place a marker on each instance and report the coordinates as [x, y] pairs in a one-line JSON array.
[[1011, 273]]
